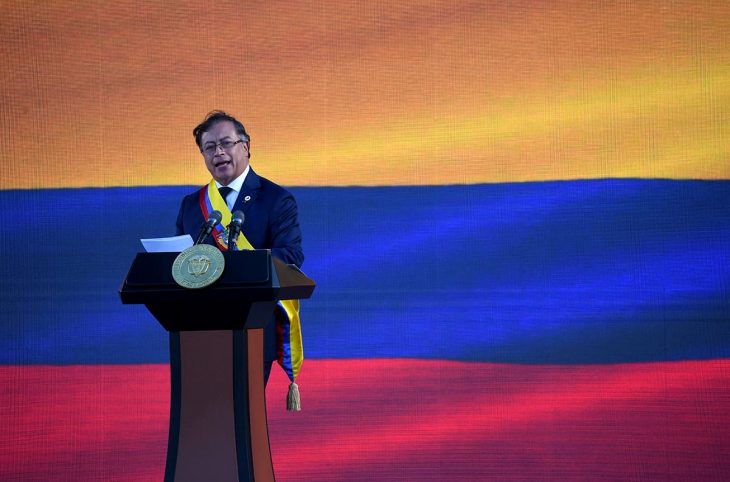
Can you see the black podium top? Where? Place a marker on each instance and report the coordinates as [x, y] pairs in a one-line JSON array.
[[248, 277]]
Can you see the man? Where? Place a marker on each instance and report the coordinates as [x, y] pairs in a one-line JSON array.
[[270, 210]]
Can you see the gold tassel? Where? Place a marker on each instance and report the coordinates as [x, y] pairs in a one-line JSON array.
[[293, 404]]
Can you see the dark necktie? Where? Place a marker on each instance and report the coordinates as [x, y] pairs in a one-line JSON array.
[[224, 192]]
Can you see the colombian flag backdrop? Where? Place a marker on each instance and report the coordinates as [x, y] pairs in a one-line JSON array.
[[517, 214]]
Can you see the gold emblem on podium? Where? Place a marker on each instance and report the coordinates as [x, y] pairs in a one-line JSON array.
[[198, 266]]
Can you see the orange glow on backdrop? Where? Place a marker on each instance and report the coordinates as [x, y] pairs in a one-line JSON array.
[[366, 93]]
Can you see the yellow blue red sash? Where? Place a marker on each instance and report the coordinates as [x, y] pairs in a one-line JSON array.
[[289, 350]]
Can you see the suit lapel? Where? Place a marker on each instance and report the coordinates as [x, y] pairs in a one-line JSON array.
[[249, 192]]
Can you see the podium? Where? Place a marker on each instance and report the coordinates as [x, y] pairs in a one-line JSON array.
[[218, 426]]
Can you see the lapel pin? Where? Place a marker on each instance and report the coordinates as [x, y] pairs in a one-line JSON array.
[[247, 199]]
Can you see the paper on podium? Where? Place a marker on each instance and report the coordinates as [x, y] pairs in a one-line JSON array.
[[174, 244]]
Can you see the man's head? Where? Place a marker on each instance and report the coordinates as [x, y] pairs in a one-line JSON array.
[[224, 143]]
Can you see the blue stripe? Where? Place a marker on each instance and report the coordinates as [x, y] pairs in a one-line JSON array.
[[595, 271], [284, 324]]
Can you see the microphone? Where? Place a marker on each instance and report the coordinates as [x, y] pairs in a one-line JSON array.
[[234, 229], [205, 230]]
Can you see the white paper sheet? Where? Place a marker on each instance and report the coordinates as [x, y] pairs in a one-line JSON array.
[[174, 244]]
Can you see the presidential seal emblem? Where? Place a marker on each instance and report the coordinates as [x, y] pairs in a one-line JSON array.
[[198, 266]]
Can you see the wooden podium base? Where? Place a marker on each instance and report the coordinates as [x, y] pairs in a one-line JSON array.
[[218, 428]]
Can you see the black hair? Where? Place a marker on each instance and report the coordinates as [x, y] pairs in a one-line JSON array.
[[218, 116]]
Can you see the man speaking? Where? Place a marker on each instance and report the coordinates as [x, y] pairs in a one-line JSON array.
[[270, 222]]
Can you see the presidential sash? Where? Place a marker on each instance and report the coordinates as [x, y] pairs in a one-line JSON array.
[[289, 351]]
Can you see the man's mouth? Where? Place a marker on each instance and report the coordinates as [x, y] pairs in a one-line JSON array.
[[221, 164]]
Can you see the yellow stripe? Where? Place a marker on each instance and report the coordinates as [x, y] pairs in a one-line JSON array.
[[219, 204], [291, 307], [643, 126], [295, 335], [367, 93]]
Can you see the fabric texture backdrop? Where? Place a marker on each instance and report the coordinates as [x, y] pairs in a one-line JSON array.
[[517, 215]]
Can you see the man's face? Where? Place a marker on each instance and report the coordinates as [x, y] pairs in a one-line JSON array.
[[225, 165]]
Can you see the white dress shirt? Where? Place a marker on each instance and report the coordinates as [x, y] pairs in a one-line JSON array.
[[236, 185]]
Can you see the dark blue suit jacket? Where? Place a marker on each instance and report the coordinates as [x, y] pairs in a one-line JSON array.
[[270, 218]]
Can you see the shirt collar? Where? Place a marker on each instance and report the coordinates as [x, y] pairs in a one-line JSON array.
[[237, 183]]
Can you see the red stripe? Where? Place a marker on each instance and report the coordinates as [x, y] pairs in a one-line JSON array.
[[204, 208], [392, 420], [203, 204], [283, 340]]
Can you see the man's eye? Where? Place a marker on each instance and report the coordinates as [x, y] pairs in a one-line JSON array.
[[226, 143]]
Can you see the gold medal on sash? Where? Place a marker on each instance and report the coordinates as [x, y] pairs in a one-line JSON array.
[[198, 266]]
